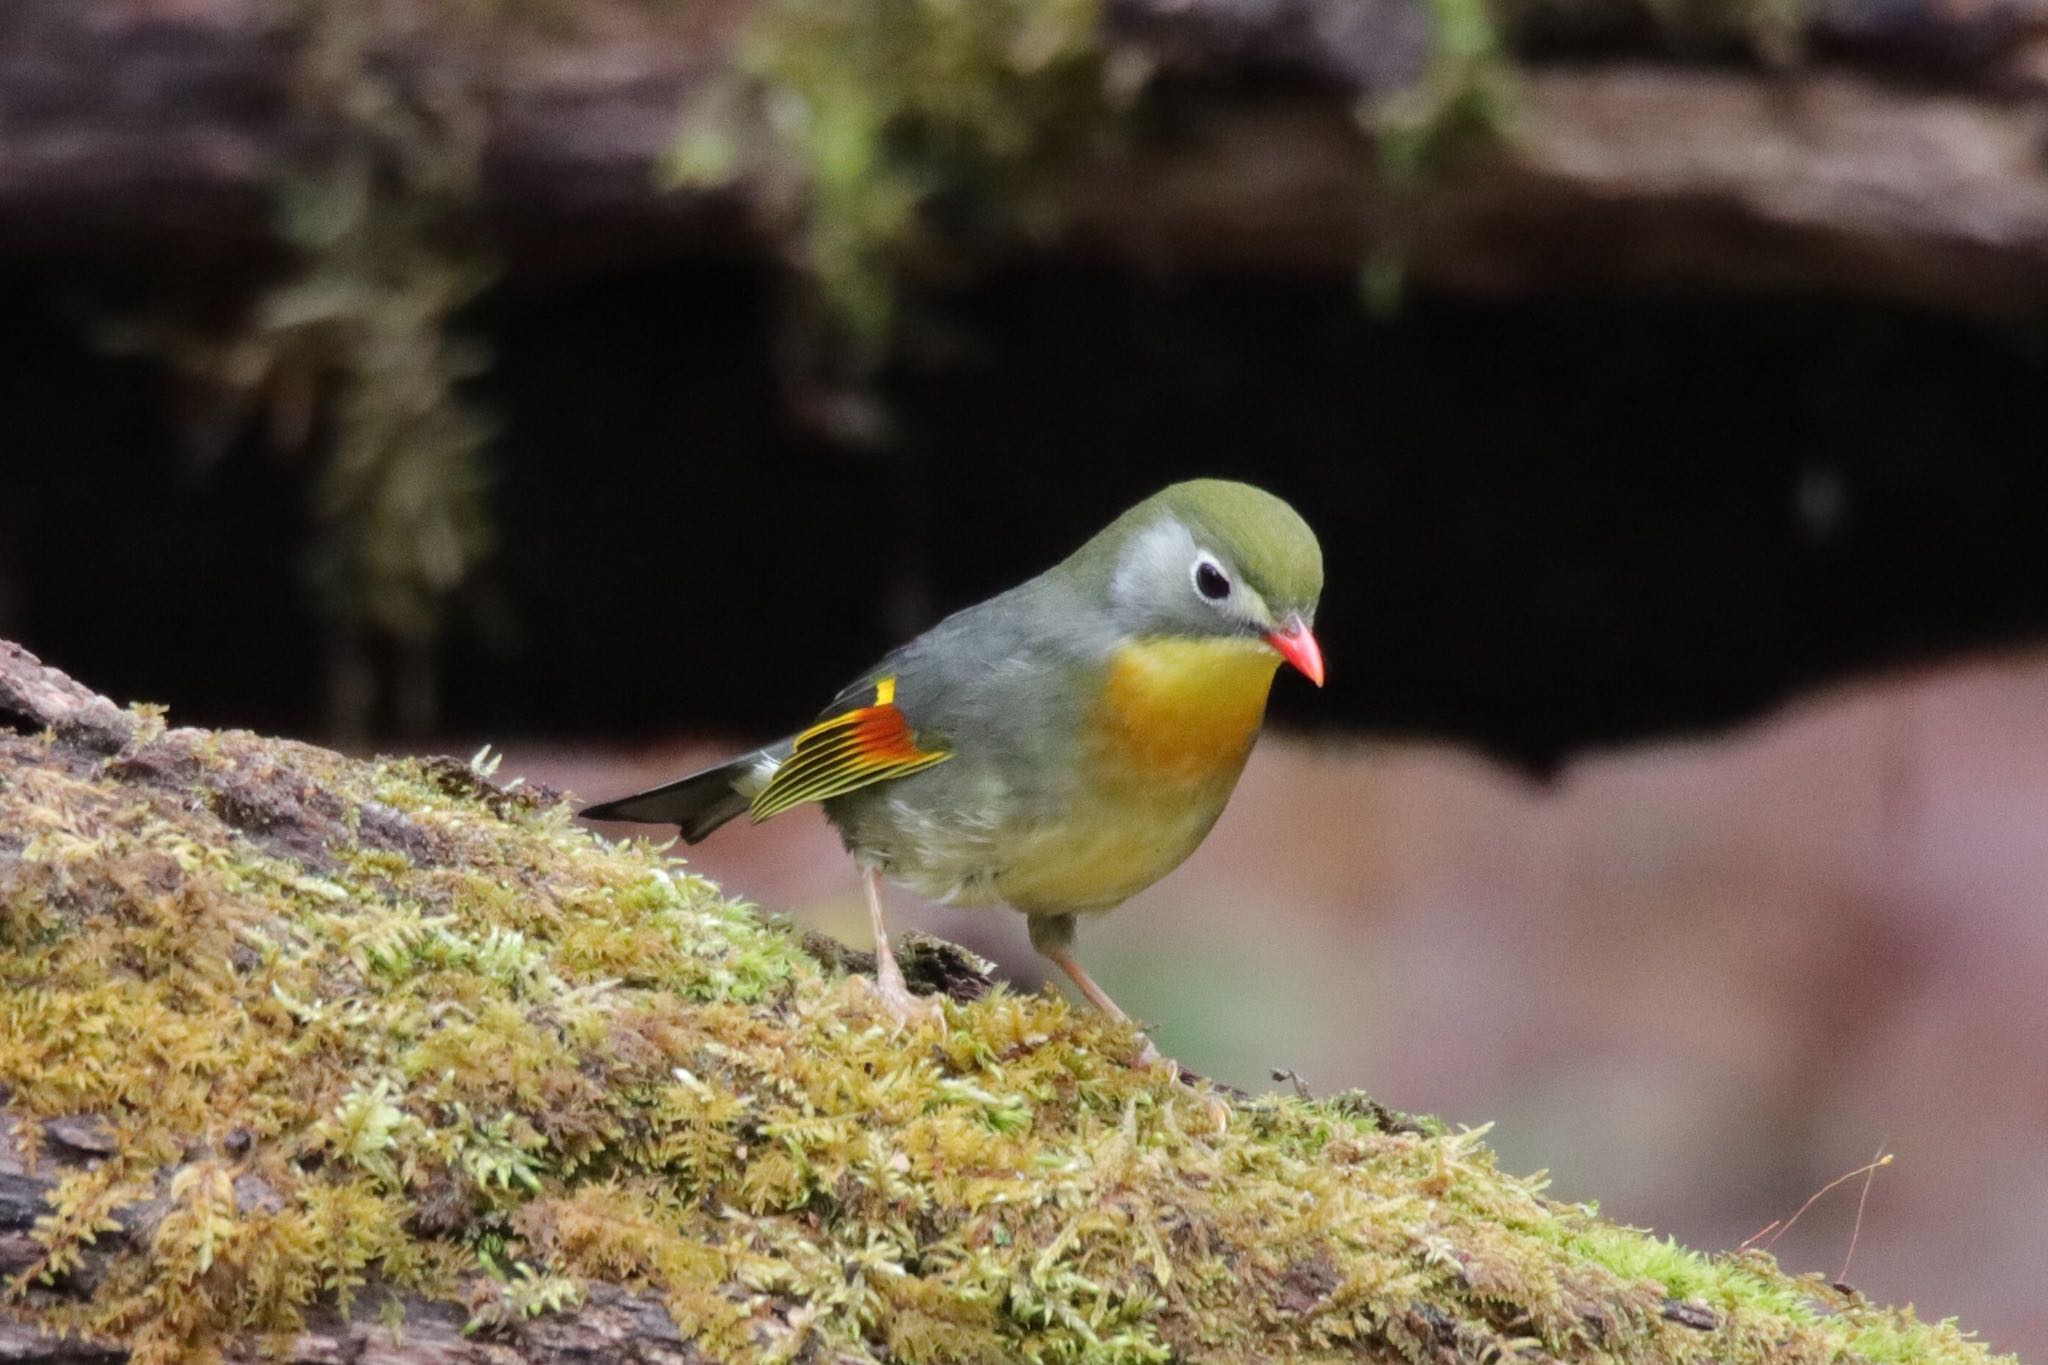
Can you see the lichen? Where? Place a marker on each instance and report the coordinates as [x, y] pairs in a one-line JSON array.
[[359, 1029]]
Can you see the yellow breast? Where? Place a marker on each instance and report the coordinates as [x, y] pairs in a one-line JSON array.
[[1167, 740], [1184, 709]]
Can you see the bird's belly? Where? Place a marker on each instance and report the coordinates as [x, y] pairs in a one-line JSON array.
[[1087, 850], [1102, 852]]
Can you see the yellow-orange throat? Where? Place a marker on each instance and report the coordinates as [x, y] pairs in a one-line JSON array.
[[1185, 709]]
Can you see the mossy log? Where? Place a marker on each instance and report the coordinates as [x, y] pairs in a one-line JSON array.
[[317, 1059], [1890, 148]]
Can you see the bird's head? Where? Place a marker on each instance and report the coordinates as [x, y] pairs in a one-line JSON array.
[[1210, 558]]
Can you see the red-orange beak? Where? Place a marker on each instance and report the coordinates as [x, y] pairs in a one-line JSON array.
[[1297, 644]]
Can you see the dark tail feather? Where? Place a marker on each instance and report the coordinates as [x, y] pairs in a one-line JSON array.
[[696, 804]]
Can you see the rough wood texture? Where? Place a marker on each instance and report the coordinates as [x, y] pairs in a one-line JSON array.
[[1909, 161], [35, 697], [1634, 177]]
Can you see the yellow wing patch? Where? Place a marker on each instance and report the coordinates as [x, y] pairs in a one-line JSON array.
[[844, 753]]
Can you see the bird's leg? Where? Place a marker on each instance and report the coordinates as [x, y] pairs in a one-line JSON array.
[[1053, 936], [1064, 959], [890, 987]]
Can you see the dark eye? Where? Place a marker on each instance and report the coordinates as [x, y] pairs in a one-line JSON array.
[[1210, 582]]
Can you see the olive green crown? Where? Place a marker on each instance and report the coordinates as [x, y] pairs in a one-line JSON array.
[[1267, 541]]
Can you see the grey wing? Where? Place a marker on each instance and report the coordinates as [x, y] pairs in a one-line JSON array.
[[992, 683]]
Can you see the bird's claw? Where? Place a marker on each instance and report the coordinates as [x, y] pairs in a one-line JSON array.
[[902, 1005], [1213, 1104]]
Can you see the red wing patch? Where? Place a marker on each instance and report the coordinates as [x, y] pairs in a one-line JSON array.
[[844, 753]]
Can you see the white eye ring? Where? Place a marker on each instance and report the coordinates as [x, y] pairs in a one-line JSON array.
[[1211, 583]]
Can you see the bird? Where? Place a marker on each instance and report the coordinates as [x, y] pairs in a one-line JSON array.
[[1058, 747]]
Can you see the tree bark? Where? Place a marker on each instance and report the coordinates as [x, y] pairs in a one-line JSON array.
[[1907, 160]]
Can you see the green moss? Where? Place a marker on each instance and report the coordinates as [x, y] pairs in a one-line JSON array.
[[379, 223], [913, 127], [350, 358], [905, 132], [364, 1027], [1461, 109]]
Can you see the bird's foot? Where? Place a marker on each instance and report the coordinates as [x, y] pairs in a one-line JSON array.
[[900, 1003], [1217, 1108]]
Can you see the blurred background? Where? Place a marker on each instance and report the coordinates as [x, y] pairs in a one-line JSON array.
[[608, 380]]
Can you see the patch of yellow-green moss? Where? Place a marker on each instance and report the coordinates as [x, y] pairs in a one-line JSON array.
[[360, 1028]]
